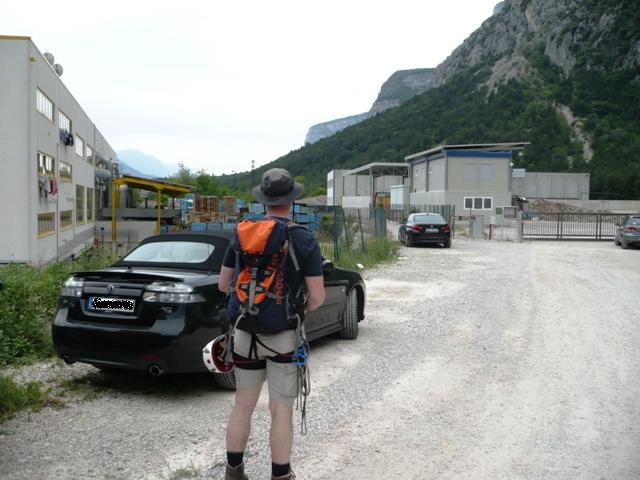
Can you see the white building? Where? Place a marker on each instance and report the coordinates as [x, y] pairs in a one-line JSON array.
[[475, 178], [359, 188], [47, 143]]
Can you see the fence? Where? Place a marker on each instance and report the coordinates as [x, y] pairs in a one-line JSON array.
[[344, 231], [566, 226]]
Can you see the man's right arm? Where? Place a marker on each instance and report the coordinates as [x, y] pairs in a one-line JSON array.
[[315, 292]]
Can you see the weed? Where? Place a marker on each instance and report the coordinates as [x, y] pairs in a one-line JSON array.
[[14, 397]]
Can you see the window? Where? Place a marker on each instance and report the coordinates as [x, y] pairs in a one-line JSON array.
[[46, 224], [63, 122], [79, 145], [66, 219], [46, 165], [478, 203], [44, 105], [89, 151], [79, 204], [171, 252], [66, 172], [89, 204]]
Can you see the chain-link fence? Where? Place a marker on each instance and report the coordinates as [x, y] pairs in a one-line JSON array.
[[345, 231]]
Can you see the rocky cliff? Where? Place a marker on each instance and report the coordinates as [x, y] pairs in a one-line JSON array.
[[326, 129]]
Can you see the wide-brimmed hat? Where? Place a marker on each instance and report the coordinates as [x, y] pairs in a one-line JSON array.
[[277, 188]]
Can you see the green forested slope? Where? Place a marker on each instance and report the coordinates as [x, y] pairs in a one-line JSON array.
[[603, 93]]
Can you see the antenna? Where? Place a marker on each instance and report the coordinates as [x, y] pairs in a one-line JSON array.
[[50, 58], [58, 69]]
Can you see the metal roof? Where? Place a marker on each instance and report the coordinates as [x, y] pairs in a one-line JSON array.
[[378, 169], [485, 147], [168, 188]]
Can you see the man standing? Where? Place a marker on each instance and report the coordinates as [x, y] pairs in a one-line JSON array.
[[254, 356]]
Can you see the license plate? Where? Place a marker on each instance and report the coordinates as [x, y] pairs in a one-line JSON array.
[[109, 304], [431, 230]]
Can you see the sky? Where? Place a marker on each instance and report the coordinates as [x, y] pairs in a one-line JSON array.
[[216, 84]]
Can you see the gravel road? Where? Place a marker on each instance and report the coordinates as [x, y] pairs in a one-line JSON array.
[[489, 360]]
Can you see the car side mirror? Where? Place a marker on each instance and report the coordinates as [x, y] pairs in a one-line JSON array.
[[327, 267]]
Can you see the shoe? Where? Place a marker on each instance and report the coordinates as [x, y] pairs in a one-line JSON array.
[[288, 476], [235, 473]]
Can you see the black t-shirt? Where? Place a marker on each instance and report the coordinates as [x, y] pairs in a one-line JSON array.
[[307, 253]]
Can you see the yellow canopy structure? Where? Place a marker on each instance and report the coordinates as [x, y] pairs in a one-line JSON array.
[[174, 190]]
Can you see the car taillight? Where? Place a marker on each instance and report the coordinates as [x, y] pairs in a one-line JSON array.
[[416, 228], [170, 292], [444, 229], [630, 228], [72, 287]]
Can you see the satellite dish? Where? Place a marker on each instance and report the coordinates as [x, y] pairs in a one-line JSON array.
[[50, 58], [103, 175], [58, 69]]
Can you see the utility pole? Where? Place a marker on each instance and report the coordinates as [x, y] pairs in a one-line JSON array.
[[253, 181]]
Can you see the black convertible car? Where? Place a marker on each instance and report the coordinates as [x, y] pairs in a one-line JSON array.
[[157, 307]]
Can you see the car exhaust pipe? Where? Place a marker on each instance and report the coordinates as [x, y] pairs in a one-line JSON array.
[[67, 359], [155, 370]]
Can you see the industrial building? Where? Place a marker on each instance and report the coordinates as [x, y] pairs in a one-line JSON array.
[[50, 153], [475, 178], [359, 188]]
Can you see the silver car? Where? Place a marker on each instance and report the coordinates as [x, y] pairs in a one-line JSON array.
[[628, 232]]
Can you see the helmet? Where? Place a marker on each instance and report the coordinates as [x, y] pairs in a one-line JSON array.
[[214, 355]]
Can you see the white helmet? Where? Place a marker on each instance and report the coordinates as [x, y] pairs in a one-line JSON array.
[[215, 355]]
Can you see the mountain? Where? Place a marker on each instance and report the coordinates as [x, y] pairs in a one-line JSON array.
[[400, 87], [150, 165], [127, 169], [326, 129], [562, 74]]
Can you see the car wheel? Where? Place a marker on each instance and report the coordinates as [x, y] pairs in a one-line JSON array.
[[408, 242], [616, 241], [350, 318], [225, 380], [624, 244], [447, 244]]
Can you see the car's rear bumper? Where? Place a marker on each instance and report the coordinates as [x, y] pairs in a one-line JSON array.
[[429, 237], [171, 346], [631, 239]]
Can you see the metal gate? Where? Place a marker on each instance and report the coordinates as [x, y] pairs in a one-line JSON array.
[[570, 226]]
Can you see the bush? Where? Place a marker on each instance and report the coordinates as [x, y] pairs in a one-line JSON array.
[[28, 304], [14, 397]]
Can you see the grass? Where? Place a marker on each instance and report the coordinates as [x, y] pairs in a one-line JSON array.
[[28, 303], [14, 397], [377, 251]]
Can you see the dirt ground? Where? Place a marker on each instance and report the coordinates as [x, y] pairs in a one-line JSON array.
[[489, 360]]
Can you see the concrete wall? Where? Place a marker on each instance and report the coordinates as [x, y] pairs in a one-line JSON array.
[[356, 202], [127, 230], [552, 185]]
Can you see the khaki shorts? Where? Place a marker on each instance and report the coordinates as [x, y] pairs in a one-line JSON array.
[[282, 378]]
